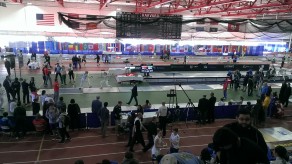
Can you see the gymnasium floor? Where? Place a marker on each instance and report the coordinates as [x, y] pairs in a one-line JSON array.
[[90, 146]]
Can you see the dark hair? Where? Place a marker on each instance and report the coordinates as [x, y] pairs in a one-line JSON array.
[[43, 92], [105, 104], [5, 114], [259, 101], [282, 152], [105, 161], [61, 98], [243, 111], [147, 102], [119, 102], [79, 161], [223, 137], [72, 101], [159, 157], [18, 103], [129, 155], [205, 155]]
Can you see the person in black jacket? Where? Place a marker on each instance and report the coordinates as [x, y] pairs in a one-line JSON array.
[[230, 148], [203, 109], [73, 112], [36, 106], [117, 111], [134, 94], [20, 120], [7, 66], [152, 132], [250, 86], [287, 94], [7, 86], [244, 129], [16, 89], [25, 91], [211, 114], [282, 92]]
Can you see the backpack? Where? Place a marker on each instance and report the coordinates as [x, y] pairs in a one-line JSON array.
[[67, 120]]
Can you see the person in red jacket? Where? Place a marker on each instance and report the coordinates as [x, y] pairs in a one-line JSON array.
[[56, 90], [225, 86]]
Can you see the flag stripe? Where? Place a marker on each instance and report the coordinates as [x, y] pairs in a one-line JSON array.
[[45, 19]]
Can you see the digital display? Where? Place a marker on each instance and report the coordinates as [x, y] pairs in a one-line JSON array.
[[146, 68]]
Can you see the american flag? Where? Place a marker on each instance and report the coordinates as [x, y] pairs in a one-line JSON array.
[[45, 19]]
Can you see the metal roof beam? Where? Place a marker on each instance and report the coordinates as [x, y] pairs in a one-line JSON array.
[[140, 8], [202, 4], [247, 7]]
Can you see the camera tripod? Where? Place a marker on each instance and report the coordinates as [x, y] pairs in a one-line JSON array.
[[190, 106]]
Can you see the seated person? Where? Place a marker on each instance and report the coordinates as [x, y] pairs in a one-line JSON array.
[[221, 102], [129, 158], [281, 155], [182, 157], [147, 105], [5, 123], [279, 113], [39, 123]]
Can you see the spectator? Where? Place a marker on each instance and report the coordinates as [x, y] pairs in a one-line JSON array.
[[255, 112], [266, 104], [25, 91], [137, 132], [117, 111], [211, 110], [231, 148], [147, 105], [39, 123], [73, 112], [242, 127], [16, 88], [7, 86], [162, 115], [43, 97], [62, 126], [96, 105], [287, 94], [36, 106], [281, 155], [174, 141], [61, 104], [152, 132], [158, 144], [221, 102], [183, 157], [2, 92], [52, 114], [20, 120], [7, 66], [129, 158], [6, 124], [203, 107], [104, 118]]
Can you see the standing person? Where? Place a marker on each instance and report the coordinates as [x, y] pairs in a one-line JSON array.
[[152, 132], [162, 115], [225, 86], [64, 74], [36, 106], [137, 132], [230, 148], [20, 120], [32, 86], [158, 145], [83, 79], [7, 86], [96, 106], [52, 115], [97, 58], [16, 89], [62, 126], [75, 61], [58, 70], [71, 73], [25, 91], [79, 62], [2, 92], [242, 127], [47, 59], [61, 104], [104, 118], [211, 111], [56, 90], [250, 86], [134, 94], [7, 66], [255, 111], [73, 112], [105, 80], [203, 108], [287, 94], [266, 104], [282, 91], [174, 141], [84, 59], [117, 111]]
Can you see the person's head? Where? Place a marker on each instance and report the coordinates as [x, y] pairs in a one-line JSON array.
[[72, 101], [241, 98], [175, 131], [79, 161], [211, 94], [16, 79], [204, 96], [224, 139], [248, 103], [159, 133], [105, 161], [120, 103], [205, 155], [259, 101], [139, 115], [129, 155], [139, 107], [5, 114], [105, 104], [61, 98], [86, 72], [38, 116], [222, 99], [281, 152], [163, 103], [243, 117], [97, 97], [18, 103], [147, 102]]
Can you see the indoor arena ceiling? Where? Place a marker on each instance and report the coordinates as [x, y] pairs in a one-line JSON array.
[[227, 9]]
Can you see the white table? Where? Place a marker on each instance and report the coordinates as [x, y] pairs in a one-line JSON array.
[[124, 78], [117, 71], [147, 117]]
